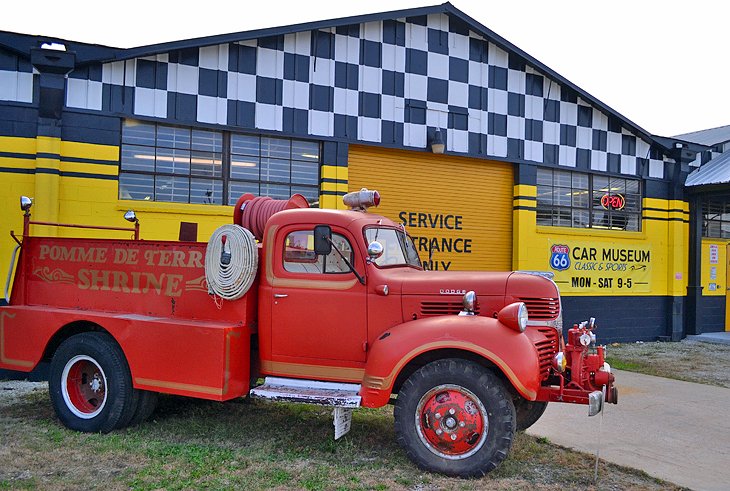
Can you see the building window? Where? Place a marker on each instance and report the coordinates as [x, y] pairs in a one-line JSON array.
[[716, 217], [187, 165], [574, 199]]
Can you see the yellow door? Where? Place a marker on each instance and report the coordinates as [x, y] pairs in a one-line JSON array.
[[458, 209]]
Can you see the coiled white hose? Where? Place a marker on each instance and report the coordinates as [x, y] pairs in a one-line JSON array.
[[230, 277]]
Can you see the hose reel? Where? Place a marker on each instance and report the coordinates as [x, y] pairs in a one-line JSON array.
[[231, 261]]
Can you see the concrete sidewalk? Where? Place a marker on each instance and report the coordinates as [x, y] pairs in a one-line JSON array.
[[676, 431]]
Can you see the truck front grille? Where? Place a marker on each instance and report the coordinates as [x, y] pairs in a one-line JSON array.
[[443, 308], [547, 348], [542, 308]]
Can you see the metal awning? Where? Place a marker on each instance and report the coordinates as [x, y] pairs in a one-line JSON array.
[[716, 171]]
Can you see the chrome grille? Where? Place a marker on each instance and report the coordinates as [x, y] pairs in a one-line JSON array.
[[547, 348], [542, 308], [443, 308]]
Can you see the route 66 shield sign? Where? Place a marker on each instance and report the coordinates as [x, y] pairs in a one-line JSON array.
[[560, 257]]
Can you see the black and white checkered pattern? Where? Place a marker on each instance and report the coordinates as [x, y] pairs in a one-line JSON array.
[[388, 82], [16, 78]]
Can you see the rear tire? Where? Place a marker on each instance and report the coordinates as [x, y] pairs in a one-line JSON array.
[[455, 417], [90, 385], [528, 412], [145, 407]]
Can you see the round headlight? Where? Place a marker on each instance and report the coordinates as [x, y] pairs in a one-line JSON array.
[[560, 362], [470, 301], [522, 317]]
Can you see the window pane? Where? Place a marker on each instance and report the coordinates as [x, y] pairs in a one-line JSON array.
[[138, 158], [633, 202], [618, 186], [580, 181], [562, 218], [597, 195], [714, 229], [238, 189], [580, 218], [303, 150], [172, 161], [633, 223], [243, 167], [632, 186], [580, 199], [562, 196], [171, 137], [206, 191], [275, 170], [207, 141], [275, 191], [173, 189], [333, 261], [136, 186], [544, 217], [545, 176], [305, 172], [600, 184], [245, 145], [600, 220], [206, 164], [299, 255], [619, 220], [311, 193], [561, 178], [275, 148], [139, 133], [544, 196]]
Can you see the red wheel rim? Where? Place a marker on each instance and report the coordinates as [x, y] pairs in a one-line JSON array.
[[83, 386], [451, 421]]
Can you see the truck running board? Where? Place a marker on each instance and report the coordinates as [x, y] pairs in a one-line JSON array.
[[308, 392], [343, 397]]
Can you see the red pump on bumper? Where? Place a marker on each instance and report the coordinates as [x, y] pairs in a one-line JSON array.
[[582, 373]]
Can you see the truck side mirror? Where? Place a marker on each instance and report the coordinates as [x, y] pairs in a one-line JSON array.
[[322, 240]]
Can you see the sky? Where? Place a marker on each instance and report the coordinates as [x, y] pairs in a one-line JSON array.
[[665, 65]]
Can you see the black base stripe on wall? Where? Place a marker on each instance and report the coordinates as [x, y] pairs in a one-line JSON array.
[[621, 319]]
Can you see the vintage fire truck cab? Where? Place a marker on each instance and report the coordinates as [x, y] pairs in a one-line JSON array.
[[330, 307]]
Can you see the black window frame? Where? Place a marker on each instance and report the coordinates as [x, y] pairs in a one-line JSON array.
[[579, 200], [715, 212], [223, 193]]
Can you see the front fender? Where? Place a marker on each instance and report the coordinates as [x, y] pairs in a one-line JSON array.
[[512, 352]]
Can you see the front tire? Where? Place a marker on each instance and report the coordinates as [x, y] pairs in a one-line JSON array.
[[456, 418], [90, 384], [528, 412]]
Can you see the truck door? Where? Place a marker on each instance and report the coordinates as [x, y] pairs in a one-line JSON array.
[[318, 306]]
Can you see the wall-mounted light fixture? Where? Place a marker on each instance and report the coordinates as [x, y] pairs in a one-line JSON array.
[[437, 143]]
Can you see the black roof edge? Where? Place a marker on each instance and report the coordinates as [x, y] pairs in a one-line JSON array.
[[21, 44], [669, 141], [499, 40], [276, 31], [90, 53]]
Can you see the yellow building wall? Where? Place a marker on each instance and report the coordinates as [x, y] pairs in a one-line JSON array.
[[71, 187], [593, 262]]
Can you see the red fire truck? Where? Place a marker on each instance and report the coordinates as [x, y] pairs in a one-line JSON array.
[[328, 307]]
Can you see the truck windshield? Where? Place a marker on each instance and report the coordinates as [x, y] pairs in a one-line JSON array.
[[398, 247]]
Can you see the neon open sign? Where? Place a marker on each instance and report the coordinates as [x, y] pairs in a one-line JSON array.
[[613, 201]]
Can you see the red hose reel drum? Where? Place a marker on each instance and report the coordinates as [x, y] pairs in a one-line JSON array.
[[252, 212]]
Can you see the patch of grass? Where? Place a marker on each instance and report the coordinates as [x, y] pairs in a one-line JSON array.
[[688, 360], [191, 444]]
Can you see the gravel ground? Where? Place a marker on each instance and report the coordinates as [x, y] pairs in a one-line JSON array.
[[690, 360]]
